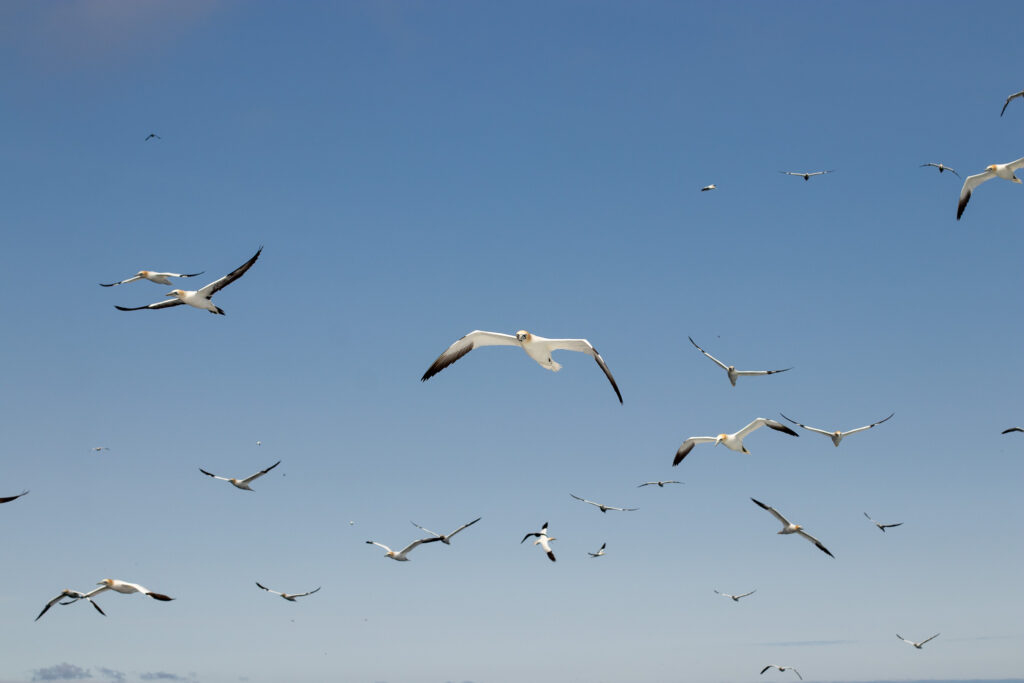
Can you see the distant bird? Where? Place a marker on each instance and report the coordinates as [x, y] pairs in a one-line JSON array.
[[790, 528], [883, 527], [1004, 171], [782, 668], [447, 538], [661, 484], [837, 435], [917, 645], [1014, 95], [200, 298], [736, 598], [602, 507], [152, 136], [152, 276], [99, 448], [732, 441], [259, 443], [941, 167], [543, 539], [805, 176], [8, 499], [600, 551], [402, 555], [75, 596], [536, 347], [242, 483], [731, 369], [708, 187], [288, 596], [1012, 429]]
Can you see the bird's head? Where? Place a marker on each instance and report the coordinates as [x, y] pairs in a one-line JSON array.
[[105, 582], [175, 292], [991, 167], [731, 368], [522, 335], [836, 433], [720, 438], [142, 273]]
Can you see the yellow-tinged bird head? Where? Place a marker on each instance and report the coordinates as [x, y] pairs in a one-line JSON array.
[[174, 292], [991, 167], [836, 433], [720, 438], [523, 335], [105, 582], [142, 273]]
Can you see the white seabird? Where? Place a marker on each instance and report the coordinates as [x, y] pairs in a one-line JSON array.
[[782, 668], [401, 555], [119, 587], [152, 276], [1014, 95], [288, 596], [446, 538], [536, 347], [917, 645], [661, 484], [837, 435], [881, 526], [732, 441], [600, 551], [942, 167], [708, 187], [97, 449], [736, 598], [241, 483], [8, 499], [731, 369], [543, 540], [790, 528], [805, 176], [199, 298], [602, 507], [1004, 171], [75, 596]]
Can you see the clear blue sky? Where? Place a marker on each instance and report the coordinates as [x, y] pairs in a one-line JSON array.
[[415, 171]]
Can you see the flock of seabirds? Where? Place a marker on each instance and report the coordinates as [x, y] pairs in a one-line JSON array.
[[540, 350]]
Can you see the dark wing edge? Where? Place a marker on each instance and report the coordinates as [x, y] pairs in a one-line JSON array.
[[446, 359], [159, 304]]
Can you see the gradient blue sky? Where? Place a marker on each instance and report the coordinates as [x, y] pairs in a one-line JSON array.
[[419, 170]]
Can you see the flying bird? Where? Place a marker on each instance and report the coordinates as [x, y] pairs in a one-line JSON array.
[[708, 187], [75, 596], [736, 598], [732, 441], [536, 347], [543, 539], [1014, 95], [99, 448], [602, 507], [8, 499], [151, 136], [600, 551], [199, 298], [942, 167], [782, 668], [241, 483], [661, 484], [837, 435], [119, 587], [883, 527], [805, 176], [1012, 429], [401, 555], [152, 276], [290, 597], [1004, 171], [446, 538], [790, 528], [917, 645], [731, 369]]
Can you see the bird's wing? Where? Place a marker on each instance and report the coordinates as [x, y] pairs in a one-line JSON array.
[[927, 639], [797, 673], [464, 345], [868, 516], [861, 429], [930, 164], [52, 602], [688, 445], [268, 589], [462, 527], [183, 274], [535, 533], [8, 499], [970, 183], [746, 594], [648, 483], [1014, 165], [811, 429], [93, 603], [210, 474], [717, 362], [747, 373], [217, 285], [887, 526], [415, 543], [380, 545], [768, 667], [424, 529], [583, 346], [585, 500], [815, 541], [796, 174], [158, 596], [724, 595], [953, 171], [1016, 94], [904, 639], [1012, 429], [159, 304], [762, 422], [122, 282], [769, 508], [260, 473], [302, 595]]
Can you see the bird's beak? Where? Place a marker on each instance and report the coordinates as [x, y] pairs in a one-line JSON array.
[[171, 293]]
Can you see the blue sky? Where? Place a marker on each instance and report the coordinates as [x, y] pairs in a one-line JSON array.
[[415, 171]]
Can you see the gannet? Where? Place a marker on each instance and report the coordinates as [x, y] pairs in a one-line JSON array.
[[708, 187], [805, 176], [446, 538], [199, 298], [288, 596], [736, 598], [790, 528], [1012, 429], [1004, 171], [602, 507], [917, 645], [782, 668], [883, 527], [152, 276], [100, 448], [942, 167], [600, 551], [837, 435], [1014, 95], [401, 555], [8, 499], [732, 441], [242, 483], [68, 593], [536, 347], [659, 483], [151, 136], [731, 369], [543, 539], [120, 587]]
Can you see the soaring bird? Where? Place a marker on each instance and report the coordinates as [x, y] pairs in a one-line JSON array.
[[446, 538], [200, 298], [97, 449], [805, 176], [731, 369], [881, 526], [917, 645], [942, 167], [661, 484], [543, 540], [75, 596], [736, 598], [782, 668], [709, 187], [152, 276], [402, 555], [106, 585], [152, 136], [733, 441], [536, 347], [241, 483], [8, 499], [1012, 429], [790, 528], [1014, 95], [288, 596], [600, 551], [1004, 171], [837, 435], [602, 507]]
